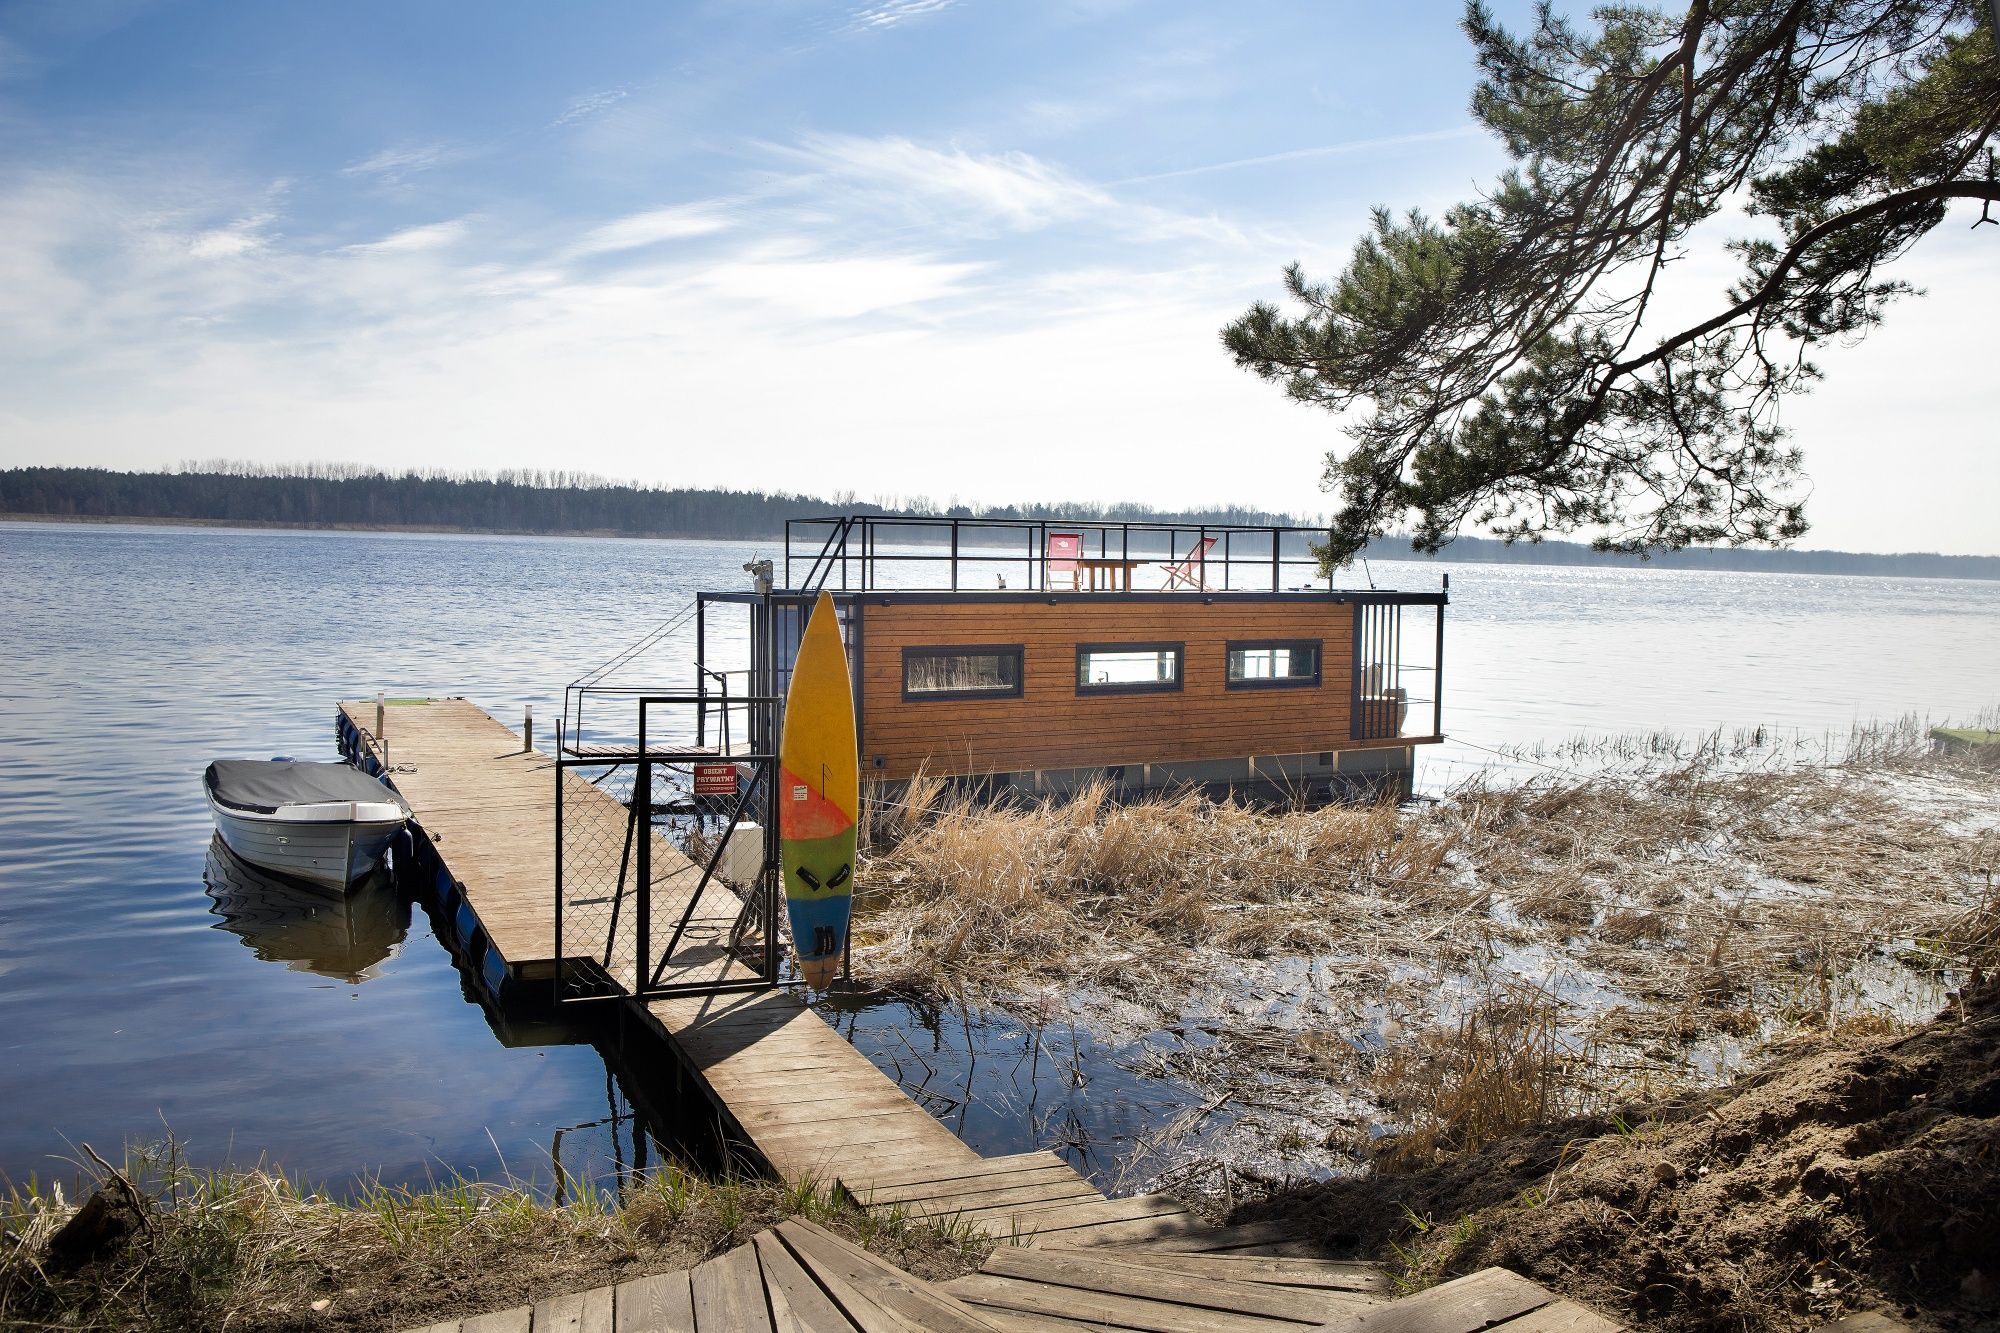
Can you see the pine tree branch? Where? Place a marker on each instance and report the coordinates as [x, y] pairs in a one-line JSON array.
[[1923, 194]]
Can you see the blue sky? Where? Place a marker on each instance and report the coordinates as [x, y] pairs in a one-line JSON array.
[[921, 247]]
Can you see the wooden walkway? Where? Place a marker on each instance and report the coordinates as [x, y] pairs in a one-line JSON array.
[[779, 1078], [487, 809], [813, 1107], [801, 1278]]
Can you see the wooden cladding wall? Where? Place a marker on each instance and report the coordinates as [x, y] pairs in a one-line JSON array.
[[1051, 726]]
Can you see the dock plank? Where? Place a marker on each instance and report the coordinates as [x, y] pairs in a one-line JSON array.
[[659, 1304], [1190, 1235], [909, 1299], [1253, 1266], [1569, 1317], [1092, 1271], [934, 1173], [1108, 1310], [1492, 1296], [520, 1319], [728, 1293], [798, 1305]]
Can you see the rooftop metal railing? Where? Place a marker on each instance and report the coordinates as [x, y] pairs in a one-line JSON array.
[[865, 552]]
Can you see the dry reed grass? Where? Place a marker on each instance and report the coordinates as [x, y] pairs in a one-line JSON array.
[[1685, 910], [1511, 1063]]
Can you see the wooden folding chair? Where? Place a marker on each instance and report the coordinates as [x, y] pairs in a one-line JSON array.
[[1064, 548], [1192, 571]]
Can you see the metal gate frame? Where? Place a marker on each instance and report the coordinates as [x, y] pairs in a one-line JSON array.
[[756, 792]]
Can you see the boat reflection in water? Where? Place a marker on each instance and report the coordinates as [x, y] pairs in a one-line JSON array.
[[307, 929]]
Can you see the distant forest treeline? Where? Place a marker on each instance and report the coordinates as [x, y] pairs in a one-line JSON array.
[[328, 495]]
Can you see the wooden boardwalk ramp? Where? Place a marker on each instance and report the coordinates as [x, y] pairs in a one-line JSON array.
[[801, 1278], [812, 1107]]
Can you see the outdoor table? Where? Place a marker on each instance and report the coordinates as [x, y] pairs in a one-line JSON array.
[[1109, 573]]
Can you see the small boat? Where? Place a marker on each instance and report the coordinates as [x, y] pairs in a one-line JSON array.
[[326, 824]]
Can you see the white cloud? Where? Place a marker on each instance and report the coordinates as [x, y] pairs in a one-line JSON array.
[[890, 13], [586, 105], [410, 240], [1465, 131], [237, 239], [677, 223], [838, 289], [402, 161], [953, 191], [1014, 189]]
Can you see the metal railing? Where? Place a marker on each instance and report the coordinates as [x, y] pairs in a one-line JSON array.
[[666, 857], [1388, 662], [858, 552]]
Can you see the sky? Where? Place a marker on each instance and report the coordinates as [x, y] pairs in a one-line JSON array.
[[971, 250]]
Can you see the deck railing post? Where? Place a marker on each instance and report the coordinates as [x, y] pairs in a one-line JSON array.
[[561, 953], [642, 815], [1277, 557], [954, 555], [769, 880], [1437, 675]]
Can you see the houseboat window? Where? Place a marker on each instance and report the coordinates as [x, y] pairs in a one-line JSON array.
[[981, 671], [1275, 663], [1114, 668]]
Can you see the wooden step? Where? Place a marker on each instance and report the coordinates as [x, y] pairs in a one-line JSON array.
[[1095, 1270], [1492, 1298], [1193, 1236], [843, 1267], [1254, 1266]]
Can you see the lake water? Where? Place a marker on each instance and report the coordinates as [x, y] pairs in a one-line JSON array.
[[135, 997]]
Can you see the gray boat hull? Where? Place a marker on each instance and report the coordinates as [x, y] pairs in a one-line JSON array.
[[331, 854]]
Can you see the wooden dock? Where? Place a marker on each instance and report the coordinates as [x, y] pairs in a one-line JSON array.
[[801, 1278], [781, 1080], [810, 1106]]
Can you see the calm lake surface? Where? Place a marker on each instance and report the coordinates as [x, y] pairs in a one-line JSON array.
[[142, 988]]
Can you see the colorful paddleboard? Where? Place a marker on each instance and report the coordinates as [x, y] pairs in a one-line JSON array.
[[819, 775]]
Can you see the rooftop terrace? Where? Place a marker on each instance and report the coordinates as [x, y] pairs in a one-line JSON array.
[[877, 552]]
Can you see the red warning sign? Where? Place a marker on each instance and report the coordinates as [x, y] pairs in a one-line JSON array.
[[715, 779]]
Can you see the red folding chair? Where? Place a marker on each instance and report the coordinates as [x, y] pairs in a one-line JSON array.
[[1064, 548], [1192, 571]]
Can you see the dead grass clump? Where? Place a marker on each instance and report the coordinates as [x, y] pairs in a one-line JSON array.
[[1564, 899], [253, 1249], [1623, 926], [1509, 1064]]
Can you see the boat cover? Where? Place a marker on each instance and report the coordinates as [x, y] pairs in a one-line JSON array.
[[263, 785]]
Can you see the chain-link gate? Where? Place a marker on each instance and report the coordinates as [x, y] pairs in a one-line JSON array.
[[666, 855]]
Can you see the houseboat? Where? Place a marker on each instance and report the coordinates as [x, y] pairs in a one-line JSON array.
[[1040, 655]]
